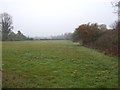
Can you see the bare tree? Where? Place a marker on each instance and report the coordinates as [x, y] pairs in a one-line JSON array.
[[6, 24], [114, 25], [116, 5]]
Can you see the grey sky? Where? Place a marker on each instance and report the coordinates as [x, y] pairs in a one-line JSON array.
[[53, 17]]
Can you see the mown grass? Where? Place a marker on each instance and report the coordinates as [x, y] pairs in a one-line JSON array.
[[56, 64]]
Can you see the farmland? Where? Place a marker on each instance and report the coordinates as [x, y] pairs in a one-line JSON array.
[[56, 64]]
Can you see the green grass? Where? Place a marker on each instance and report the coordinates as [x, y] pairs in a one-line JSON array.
[[56, 64]]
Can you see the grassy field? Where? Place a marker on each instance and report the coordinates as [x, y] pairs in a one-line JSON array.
[[56, 64]]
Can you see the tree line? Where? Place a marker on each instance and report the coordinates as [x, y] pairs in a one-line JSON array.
[[7, 34], [6, 29], [102, 39], [91, 35]]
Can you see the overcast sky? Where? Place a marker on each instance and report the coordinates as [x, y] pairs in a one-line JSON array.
[[54, 17]]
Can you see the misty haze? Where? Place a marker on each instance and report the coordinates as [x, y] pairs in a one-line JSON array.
[[59, 43], [55, 17]]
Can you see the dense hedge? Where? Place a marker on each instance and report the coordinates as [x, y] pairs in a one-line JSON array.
[[87, 33], [107, 43], [93, 37]]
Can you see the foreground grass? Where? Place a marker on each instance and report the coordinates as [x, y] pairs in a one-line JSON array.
[[56, 64]]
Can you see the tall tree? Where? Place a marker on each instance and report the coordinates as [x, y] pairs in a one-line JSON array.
[[6, 23], [116, 5]]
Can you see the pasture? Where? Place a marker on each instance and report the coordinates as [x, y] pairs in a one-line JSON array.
[[56, 64]]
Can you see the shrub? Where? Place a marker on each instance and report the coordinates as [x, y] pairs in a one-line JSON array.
[[108, 42], [87, 33]]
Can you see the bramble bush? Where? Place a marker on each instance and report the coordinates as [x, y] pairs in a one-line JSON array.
[[107, 43], [87, 33], [90, 35]]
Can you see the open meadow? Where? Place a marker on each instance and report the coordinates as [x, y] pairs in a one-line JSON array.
[[56, 64]]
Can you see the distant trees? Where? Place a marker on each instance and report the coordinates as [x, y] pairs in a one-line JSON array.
[[66, 36], [102, 27], [20, 36], [12, 36], [6, 28], [58, 37], [16, 37]]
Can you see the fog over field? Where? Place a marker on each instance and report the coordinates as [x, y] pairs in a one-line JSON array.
[[59, 43], [53, 17]]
